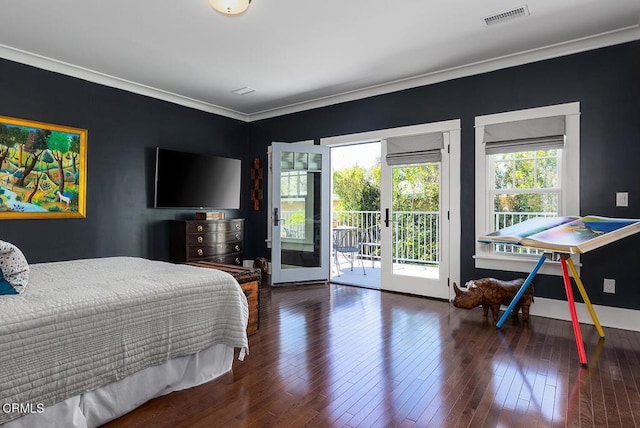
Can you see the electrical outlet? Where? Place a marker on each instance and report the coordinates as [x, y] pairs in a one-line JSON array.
[[622, 199], [609, 285]]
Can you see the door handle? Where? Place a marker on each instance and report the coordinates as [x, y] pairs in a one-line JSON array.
[[386, 217], [276, 219]]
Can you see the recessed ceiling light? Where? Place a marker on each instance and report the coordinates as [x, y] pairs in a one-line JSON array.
[[498, 18], [243, 91]]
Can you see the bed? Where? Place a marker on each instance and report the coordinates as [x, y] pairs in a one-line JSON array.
[[89, 340]]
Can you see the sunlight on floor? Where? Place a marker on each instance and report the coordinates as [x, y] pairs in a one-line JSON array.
[[371, 278]]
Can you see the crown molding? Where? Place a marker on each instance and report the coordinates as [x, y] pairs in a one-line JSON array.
[[611, 38], [50, 64]]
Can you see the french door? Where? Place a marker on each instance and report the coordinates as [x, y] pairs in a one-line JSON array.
[[403, 148], [300, 213], [415, 198]]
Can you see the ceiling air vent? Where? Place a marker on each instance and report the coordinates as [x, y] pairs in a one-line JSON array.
[[243, 91], [519, 12]]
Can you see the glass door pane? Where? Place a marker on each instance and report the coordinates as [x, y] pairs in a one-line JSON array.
[[416, 220], [414, 233], [300, 217]]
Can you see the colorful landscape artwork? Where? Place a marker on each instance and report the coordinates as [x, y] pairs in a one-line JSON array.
[[42, 170]]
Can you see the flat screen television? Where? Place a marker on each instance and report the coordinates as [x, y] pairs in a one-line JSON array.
[[190, 180]]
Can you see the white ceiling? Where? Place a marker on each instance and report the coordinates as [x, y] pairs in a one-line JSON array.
[[296, 54]]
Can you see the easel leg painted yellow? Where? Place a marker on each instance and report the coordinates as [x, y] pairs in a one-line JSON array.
[[585, 297]]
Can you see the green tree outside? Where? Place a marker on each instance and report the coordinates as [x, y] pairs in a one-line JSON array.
[[415, 188], [520, 181], [358, 188]]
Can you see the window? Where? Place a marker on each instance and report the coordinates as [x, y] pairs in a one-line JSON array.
[[293, 191], [527, 165], [299, 172], [524, 185], [293, 184], [295, 188]]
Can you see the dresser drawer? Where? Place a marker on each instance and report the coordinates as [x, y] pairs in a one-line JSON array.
[[212, 238], [199, 251], [213, 248], [224, 226], [228, 259]]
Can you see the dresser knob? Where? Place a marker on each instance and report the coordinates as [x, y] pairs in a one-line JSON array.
[[199, 228], [237, 260], [237, 227], [199, 239], [237, 236], [200, 252], [237, 247]]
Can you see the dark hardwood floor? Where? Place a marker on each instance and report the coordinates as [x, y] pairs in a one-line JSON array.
[[342, 356]]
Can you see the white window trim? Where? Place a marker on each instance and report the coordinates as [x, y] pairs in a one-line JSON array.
[[485, 258]]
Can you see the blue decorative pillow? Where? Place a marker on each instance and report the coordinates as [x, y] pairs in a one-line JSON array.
[[14, 269]]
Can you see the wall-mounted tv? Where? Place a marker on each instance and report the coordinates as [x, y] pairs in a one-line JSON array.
[[190, 180]]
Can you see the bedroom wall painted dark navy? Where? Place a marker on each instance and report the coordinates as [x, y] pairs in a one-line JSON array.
[[604, 81], [124, 130]]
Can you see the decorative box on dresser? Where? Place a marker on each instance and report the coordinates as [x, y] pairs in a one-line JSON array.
[[219, 241]]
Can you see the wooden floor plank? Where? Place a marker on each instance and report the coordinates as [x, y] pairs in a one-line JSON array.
[[341, 356]]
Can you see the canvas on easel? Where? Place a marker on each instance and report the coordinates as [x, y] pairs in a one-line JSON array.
[[565, 234]]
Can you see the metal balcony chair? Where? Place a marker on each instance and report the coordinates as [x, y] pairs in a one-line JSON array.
[[346, 242]]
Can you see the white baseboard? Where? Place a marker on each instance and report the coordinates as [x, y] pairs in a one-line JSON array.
[[625, 319]]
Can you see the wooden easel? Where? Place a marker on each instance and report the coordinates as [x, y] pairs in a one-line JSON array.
[[565, 259]]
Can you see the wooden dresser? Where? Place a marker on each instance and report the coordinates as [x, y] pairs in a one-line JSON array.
[[248, 279], [219, 241]]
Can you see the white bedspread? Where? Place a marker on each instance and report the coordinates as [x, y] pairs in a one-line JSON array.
[[82, 324]]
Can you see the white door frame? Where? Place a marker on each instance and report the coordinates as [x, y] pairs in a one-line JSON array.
[[452, 127]]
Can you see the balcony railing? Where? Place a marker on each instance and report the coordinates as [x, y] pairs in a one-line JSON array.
[[415, 234], [506, 219]]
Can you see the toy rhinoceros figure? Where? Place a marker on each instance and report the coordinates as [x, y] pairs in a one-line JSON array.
[[491, 293]]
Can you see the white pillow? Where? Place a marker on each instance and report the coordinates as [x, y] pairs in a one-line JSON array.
[[14, 269]]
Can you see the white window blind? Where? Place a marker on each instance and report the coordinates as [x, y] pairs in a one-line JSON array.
[[543, 133], [412, 149]]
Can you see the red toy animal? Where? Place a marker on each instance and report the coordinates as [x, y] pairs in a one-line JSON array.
[[491, 293]]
